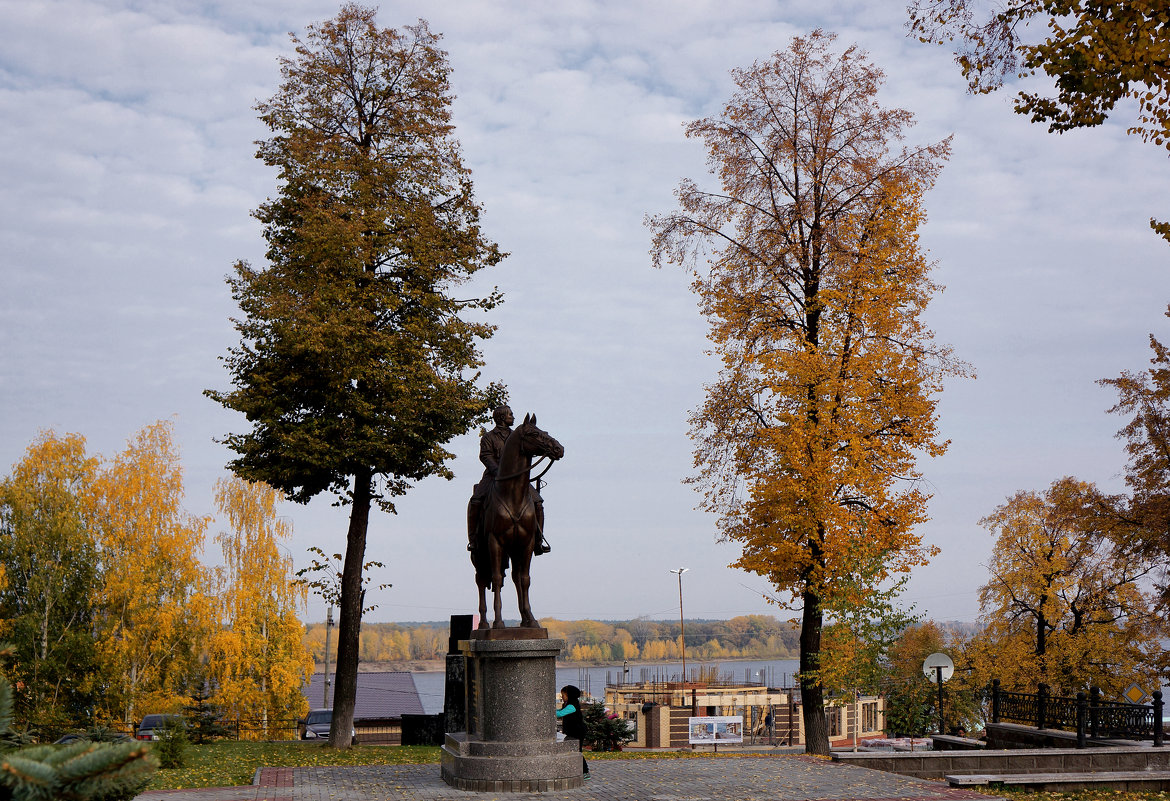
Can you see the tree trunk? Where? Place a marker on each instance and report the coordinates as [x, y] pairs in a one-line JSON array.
[[812, 696], [45, 630], [1041, 629], [350, 615]]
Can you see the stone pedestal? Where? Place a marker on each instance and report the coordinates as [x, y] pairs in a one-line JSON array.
[[510, 743]]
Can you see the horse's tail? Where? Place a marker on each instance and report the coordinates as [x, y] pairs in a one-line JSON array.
[[483, 565]]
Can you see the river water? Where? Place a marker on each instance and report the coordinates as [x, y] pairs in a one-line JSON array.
[[592, 680]]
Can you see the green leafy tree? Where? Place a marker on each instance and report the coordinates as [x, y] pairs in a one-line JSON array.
[[171, 746], [911, 699], [865, 620], [814, 285], [356, 366], [204, 718], [324, 576], [48, 569], [604, 731]]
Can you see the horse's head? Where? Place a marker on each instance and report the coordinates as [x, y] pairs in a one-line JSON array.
[[535, 442]]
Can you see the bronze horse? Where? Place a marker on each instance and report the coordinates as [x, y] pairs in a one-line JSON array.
[[510, 527]]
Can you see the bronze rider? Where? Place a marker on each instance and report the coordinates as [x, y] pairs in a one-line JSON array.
[[491, 446]]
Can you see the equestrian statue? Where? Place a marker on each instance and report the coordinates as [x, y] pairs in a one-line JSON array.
[[505, 517]]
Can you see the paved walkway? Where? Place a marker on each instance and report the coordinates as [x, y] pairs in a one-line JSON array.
[[771, 778]]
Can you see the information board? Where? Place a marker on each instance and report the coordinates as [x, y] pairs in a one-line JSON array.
[[718, 729]]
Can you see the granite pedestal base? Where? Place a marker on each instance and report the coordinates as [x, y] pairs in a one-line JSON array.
[[510, 744]]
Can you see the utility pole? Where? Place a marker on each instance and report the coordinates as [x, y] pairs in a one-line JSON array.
[[328, 626], [682, 635]]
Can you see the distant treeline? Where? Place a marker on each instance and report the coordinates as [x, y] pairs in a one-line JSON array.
[[744, 637], [384, 642]]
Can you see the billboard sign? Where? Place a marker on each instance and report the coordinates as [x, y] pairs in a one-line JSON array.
[[715, 730]]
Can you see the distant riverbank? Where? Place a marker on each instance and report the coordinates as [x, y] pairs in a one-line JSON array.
[[593, 678], [439, 665], [591, 643]]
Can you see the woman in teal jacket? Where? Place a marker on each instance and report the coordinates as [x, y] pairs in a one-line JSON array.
[[573, 722]]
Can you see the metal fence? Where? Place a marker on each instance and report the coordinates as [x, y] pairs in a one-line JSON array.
[[381, 732], [1086, 714]]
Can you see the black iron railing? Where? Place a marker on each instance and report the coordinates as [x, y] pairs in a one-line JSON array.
[[381, 732], [1086, 714]]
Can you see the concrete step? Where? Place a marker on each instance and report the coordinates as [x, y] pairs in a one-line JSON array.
[[1060, 782]]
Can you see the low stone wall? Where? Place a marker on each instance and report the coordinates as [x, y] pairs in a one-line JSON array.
[[948, 742], [937, 764], [1014, 735]]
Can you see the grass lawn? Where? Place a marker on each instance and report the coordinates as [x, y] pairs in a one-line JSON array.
[[1084, 795], [230, 764]]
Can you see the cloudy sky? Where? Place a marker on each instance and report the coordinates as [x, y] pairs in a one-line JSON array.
[[126, 157]]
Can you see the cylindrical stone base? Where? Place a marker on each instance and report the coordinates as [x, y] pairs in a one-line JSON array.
[[510, 744]]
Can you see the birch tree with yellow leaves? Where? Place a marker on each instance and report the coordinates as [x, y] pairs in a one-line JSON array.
[[155, 610], [258, 658], [807, 264], [48, 567]]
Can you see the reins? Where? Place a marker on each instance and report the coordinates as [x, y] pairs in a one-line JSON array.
[[537, 481], [528, 469]]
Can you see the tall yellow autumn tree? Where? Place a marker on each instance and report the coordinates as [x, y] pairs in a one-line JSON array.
[[258, 656], [48, 567], [1064, 605], [153, 595], [814, 289]]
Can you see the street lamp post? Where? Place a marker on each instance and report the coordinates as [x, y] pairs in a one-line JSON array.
[[328, 626], [682, 635]]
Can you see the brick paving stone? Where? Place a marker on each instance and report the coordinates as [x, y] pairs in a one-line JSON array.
[[765, 778], [248, 793]]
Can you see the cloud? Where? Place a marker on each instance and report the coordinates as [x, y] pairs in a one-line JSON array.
[[127, 150]]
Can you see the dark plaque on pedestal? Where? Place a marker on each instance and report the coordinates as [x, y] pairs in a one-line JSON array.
[[454, 691]]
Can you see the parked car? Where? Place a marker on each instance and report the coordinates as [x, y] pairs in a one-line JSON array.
[[317, 725], [151, 725], [98, 734], [70, 738]]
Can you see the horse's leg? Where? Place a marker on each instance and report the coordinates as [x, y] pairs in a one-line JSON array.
[[497, 557], [479, 580], [521, 563], [478, 555]]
